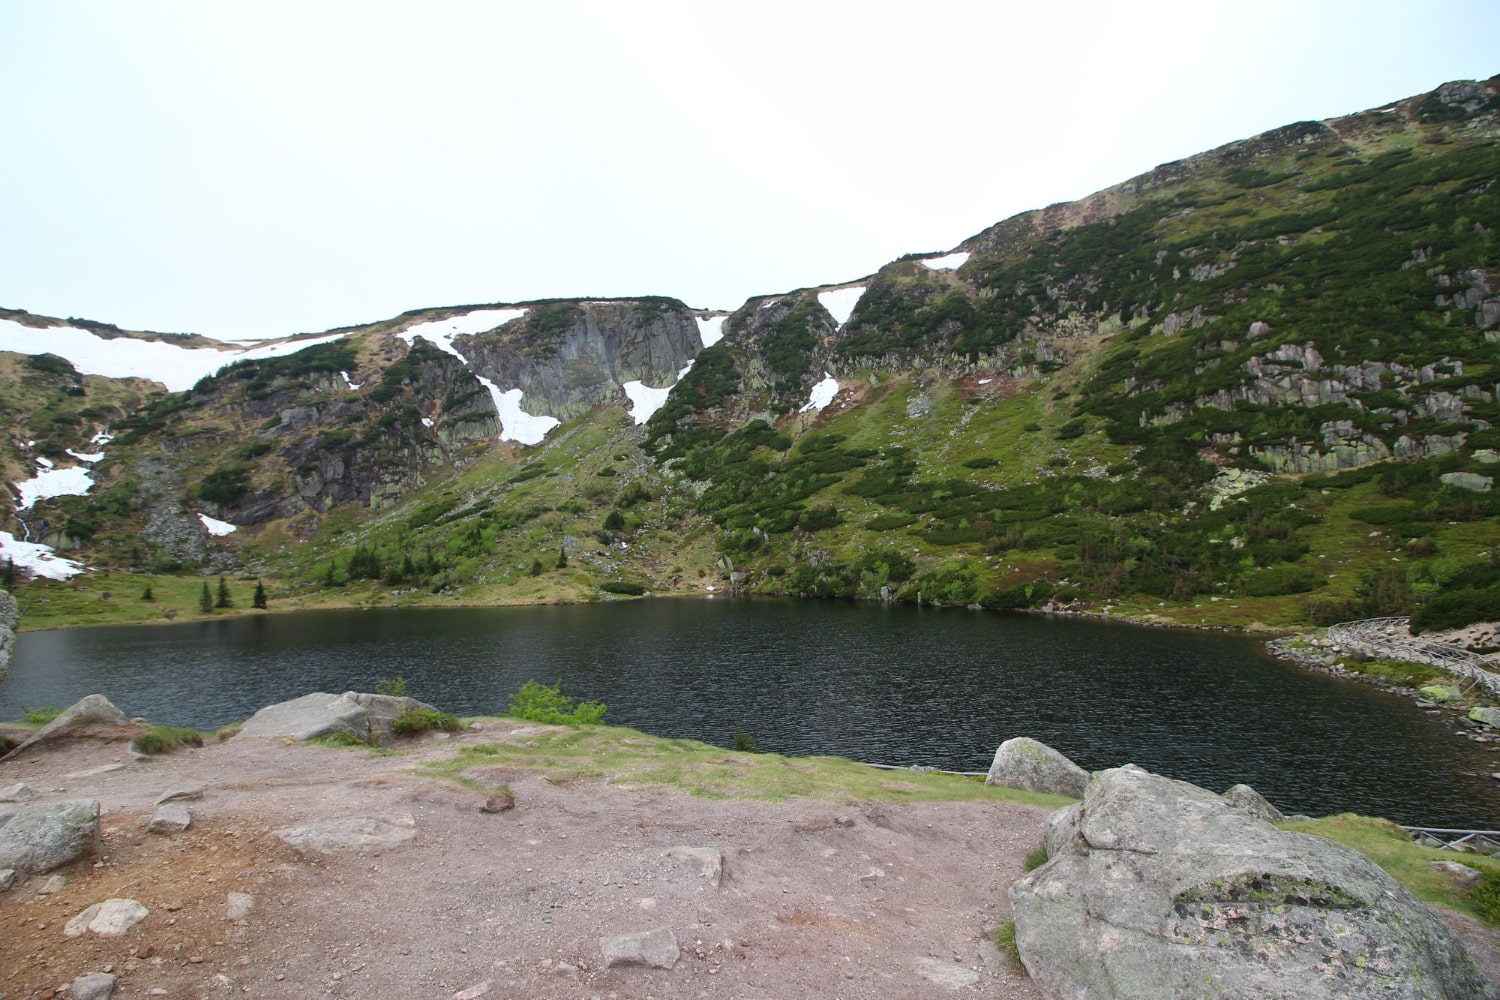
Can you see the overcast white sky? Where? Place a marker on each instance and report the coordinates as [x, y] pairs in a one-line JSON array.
[[267, 168]]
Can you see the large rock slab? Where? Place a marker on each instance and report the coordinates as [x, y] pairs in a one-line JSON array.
[[655, 948], [92, 715], [1158, 888], [352, 834], [40, 839], [1033, 766], [367, 716], [110, 918]]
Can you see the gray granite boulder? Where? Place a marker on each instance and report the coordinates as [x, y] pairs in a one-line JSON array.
[[1157, 888], [1033, 766], [37, 840], [366, 716], [94, 986], [92, 715]]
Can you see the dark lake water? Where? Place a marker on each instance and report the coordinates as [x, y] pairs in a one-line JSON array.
[[890, 685]]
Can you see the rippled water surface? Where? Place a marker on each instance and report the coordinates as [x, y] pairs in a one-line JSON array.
[[896, 685]]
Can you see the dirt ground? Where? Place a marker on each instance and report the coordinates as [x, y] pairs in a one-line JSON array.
[[816, 899]]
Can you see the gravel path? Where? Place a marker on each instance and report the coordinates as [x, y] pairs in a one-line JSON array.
[[815, 899]]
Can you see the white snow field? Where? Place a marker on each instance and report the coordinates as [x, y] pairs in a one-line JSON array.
[[822, 393], [711, 329], [644, 400], [37, 559], [216, 527], [178, 368], [948, 262], [49, 483], [840, 302]]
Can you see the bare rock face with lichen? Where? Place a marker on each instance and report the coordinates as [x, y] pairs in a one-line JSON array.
[[10, 617], [1033, 766], [1158, 888]]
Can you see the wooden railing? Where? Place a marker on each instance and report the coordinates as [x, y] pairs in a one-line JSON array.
[[1475, 841], [1391, 639]]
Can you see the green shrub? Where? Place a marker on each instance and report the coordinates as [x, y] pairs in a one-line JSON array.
[[420, 720], [40, 716], [1035, 858], [1485, 895], [537, 702], [742, 741], [623, 588], [391, 687]]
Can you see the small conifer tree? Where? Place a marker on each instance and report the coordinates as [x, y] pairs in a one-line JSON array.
[[536, 567], [562, 558], [258, 600], [206, 600], [147, 595], [10, 573], [224, 600]]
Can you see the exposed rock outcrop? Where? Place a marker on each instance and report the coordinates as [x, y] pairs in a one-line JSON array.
[[1028, 764], [1158, 888], [10, 618], [569, 357]]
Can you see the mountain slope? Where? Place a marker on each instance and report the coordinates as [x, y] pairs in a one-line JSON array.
[[1257, 384]]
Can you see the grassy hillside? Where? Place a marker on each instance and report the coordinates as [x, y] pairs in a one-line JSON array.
[[1258, 386]]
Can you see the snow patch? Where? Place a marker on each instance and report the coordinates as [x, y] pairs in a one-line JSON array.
[[427, 422], [216, 527], [710, 329], [89, 457], [350, 382], [948, 262], [767, 305], [644, 400], [37, 559], [985, 381], [515, 423], [442, 331], [44, 461], [822, 393], [178, 368], [840, 302], [48, 483]]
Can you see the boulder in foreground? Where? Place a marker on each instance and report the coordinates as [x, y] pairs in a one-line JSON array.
[[1033, 766], [366, 716], [38, 840], [1157, 888]]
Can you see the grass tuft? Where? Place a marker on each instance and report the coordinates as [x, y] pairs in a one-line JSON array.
[[165, 739]]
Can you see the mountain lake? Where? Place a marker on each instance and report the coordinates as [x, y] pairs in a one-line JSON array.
[[881, 684]]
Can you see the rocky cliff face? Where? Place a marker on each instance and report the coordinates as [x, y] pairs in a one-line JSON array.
[[570, 357]]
